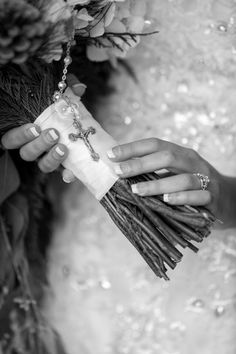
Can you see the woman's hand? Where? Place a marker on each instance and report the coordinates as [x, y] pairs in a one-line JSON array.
[[183, 186], [43, 145], [32, 144]]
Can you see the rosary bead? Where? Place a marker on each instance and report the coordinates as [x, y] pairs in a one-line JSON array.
[[56, 96], [67, 60], [62, 85]]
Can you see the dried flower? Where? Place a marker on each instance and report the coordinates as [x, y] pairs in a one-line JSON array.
[[121, 21]]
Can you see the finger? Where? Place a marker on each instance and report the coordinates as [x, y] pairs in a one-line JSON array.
[[77, 87], [19, 136], [68, 176], [194, 198], [47, 139], [138, 149], [168, 159], [178, 183], [52, 160]]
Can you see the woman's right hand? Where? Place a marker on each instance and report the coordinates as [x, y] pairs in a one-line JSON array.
[[185, 186]]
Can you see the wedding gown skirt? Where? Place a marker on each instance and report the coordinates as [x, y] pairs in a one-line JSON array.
[[103, 298]]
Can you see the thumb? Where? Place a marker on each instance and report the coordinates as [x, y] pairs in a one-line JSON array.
[[77, 87]]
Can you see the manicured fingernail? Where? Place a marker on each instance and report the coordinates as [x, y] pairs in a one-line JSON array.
[[68, 176], [110, 154], [34, 131], [53, 134], [118, 170], [59, 151], [79, 89], [166, 198], [135, 188], [66, 180]]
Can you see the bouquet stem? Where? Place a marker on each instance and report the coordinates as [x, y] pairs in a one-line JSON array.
[[154, 228]]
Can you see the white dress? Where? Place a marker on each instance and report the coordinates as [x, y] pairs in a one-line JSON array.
[[103, 298]]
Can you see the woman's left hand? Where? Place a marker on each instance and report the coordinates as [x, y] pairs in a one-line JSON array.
[[43, 146], [183, 186]]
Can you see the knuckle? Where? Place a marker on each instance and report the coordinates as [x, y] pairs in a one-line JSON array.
[[132, 166], [192, 154], [159, 185], [24, 154], [208, 197], [189, 181], [125, 167], [137, 165], [169, 157], [131, 149], [26, 133], [154, 142], [44, 166], [154, 187], [177, 196], [143, 188], [205, 168], [119, 150], [174, 197], [146, 188]]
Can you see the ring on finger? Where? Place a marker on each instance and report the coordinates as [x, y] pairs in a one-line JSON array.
[[204, 180]]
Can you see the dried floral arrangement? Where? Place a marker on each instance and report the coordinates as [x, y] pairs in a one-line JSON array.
[[38, 41]]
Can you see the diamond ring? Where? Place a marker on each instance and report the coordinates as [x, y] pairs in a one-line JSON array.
[[204, 180]]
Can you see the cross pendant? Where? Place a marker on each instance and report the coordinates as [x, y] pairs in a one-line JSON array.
[[83, 134]]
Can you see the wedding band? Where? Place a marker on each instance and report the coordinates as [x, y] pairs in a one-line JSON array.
[[204, 180]]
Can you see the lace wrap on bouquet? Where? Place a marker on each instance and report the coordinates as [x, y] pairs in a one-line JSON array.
[[97, 176]]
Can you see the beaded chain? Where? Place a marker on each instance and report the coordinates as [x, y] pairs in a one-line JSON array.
[[62, 84], [81, 133]]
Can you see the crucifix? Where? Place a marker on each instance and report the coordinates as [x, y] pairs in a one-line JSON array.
[[83, 134]]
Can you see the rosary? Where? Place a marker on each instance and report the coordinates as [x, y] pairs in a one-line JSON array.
[[82, 134]]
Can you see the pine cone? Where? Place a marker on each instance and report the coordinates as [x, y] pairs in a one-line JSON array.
[[22, 31]]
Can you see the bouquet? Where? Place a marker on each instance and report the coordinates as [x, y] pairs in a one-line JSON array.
[[153, 227], [107, 28], [39, 41]]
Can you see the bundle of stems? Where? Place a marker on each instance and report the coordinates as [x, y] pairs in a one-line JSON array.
[[155, 228]]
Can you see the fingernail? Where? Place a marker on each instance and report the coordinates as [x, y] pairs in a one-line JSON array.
[[59, 151], [66, 180], [166, 198], [53, 134], [118, 170], [34, 131], [110, 154], [79, 89], [135, 188], [68, 176]]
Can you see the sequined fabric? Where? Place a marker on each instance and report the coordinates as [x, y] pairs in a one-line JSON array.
[[104, 299]]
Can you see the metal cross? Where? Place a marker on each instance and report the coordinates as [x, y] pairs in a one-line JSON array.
[[83, 134]]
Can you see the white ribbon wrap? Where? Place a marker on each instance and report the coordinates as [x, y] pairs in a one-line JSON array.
[[97, 176]]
